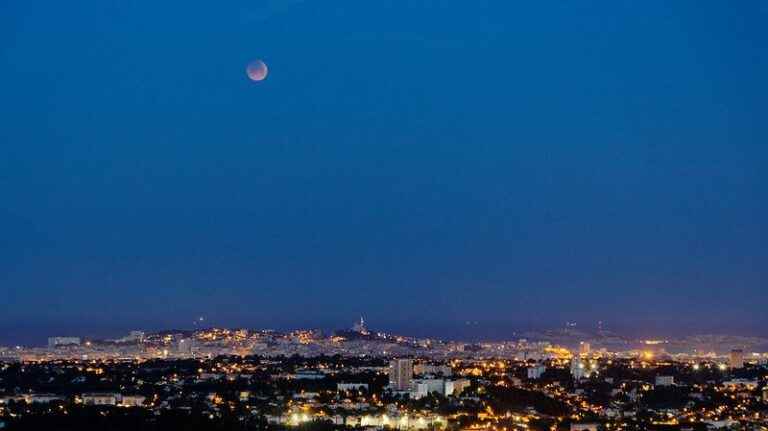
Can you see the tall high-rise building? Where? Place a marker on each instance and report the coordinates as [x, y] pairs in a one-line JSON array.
[[736, 358], [584, 348], [400, 374], [185, 346]]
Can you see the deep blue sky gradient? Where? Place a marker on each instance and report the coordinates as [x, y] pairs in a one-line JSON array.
[[425, 163]]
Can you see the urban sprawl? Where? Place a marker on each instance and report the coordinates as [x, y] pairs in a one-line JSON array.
[[238, 379]]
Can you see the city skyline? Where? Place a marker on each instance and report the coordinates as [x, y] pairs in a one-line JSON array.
[[467, 332]]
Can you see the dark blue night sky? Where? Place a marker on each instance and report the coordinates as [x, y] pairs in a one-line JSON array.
[[424, 163]]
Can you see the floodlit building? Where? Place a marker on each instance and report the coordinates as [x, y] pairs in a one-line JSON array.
[[400, 374], [100, 399], [456, 387], [424, 387], [132, 400], [585, 426], [308, 374], [665, 380], [584, 348], [536, 372], [423, 368], [735, 384], [42, 398], [578, 369]]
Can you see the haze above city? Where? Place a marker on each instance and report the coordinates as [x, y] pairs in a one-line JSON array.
[[450, 169]]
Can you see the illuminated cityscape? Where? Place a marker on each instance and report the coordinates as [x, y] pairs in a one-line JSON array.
[[393, 215], [257, 379]]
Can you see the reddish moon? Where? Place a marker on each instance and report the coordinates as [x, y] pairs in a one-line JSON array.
[[257, 70]]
